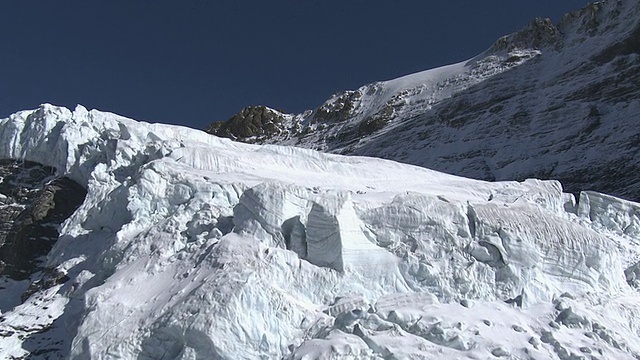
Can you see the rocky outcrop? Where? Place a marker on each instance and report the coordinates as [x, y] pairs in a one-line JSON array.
[[251, 124], [33, 203]]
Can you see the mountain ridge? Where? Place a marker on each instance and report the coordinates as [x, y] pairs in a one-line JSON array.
[[581, 74]]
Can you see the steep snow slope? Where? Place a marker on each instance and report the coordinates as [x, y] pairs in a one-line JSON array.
[[552, 101], [189, 246], [350, 115]]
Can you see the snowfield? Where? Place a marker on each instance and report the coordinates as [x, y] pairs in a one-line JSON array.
[[190, 246]]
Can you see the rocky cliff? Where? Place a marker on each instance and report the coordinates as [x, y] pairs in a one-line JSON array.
[[33, 203]]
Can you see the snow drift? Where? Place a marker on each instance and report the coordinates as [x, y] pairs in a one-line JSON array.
[[189, 246]]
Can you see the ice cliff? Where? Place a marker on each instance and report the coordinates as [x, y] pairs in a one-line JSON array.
[[189, 246]]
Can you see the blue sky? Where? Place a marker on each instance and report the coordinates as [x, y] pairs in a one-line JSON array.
[[195, 62]]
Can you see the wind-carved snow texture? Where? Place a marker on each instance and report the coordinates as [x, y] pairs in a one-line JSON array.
[[189, 246], [552, 101]]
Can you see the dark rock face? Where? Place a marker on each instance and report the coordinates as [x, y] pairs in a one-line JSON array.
[[33, 203], [340, 108], [251, 124]]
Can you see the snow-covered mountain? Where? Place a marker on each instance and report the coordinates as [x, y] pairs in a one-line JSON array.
[[189, 246], [552, 101]]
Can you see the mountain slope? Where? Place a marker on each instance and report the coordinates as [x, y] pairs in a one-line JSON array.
[[188, 246], [552, 101]]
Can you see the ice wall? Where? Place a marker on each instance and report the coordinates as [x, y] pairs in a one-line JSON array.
[[189, 246]]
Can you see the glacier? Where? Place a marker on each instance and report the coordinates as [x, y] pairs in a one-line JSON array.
[[190, 246]]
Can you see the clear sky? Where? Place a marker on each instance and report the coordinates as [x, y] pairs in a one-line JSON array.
[[193, 62]]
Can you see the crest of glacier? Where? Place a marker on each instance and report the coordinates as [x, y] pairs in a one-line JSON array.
[[190, 246]]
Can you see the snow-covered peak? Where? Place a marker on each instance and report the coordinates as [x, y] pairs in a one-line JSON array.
[[190, 246], [552, 101]]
